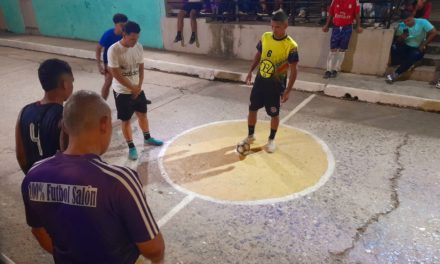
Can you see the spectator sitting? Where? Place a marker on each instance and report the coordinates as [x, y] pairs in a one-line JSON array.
[[191, 8], [275, 4], [83, 210], [413, 35]]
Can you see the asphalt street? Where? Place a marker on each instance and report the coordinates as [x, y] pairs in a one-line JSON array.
[[379, 204]]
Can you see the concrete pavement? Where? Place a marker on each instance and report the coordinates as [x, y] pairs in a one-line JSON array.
[[373, 89]]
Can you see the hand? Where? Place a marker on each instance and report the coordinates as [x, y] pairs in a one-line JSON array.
[[422, 47], [136, 91], [359, 29], [325, 29], [101, 69], [249, 78], [285, 96]]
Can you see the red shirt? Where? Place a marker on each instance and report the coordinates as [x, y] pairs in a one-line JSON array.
[[344, 12]]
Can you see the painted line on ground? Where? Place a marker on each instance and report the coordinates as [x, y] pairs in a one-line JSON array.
[[185, 201], [4, 259], [299, 107]]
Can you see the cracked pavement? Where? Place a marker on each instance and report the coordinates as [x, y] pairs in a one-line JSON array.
[[381, 205]]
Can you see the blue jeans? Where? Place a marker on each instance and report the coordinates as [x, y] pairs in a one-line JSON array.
[[404, 56]]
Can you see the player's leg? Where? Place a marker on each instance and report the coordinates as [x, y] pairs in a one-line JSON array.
[[140, 107], [334, 45], [108, 78], [346, 33], [256, 102], [125, 112], [272, 105], [193, 18]]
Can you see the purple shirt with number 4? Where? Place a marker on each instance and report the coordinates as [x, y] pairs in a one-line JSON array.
[[94, 212]]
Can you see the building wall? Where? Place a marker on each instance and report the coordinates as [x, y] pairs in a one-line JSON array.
[[368, 52], [88, 19], [11, 12]]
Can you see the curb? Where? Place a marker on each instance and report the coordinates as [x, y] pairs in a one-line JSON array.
[[215, 74]]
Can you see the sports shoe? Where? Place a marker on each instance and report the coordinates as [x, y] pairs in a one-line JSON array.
[[333, 74], [327, 75], [153, 142], [242, 13], [249, 139], [391, 78], [148, 101], [132, 154], [278, 10], [438, 84], [178, 38], [271, 146], [193, 38]]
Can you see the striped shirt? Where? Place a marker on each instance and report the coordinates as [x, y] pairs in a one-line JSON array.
[[93, 211]]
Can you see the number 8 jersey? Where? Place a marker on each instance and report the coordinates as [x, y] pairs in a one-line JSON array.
[[276, 55]]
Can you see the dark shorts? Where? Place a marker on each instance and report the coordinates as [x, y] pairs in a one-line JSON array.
[[267, 93], [341, 37], [190, 6], [126, 106]]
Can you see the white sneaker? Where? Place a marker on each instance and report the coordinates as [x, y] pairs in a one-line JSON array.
[[271, 146], [438, 85], [249, 139]]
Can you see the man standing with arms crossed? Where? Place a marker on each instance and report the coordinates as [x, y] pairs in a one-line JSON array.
[[276, 54], [83, 210], [341, 13], [126, 64]]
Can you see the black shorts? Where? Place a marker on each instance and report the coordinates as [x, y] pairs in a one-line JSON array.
[[267, 93], [126, 105], [190, 6]]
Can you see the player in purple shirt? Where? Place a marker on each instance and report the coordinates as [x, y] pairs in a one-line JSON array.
[[83, 210]]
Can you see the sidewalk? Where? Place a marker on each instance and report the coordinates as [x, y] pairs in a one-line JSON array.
[[373, 89]]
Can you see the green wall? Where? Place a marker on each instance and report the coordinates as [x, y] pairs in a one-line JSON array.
[[13, 18], [88, 19]]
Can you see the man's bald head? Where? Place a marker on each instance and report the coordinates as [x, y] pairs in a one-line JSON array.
[[84, 112]]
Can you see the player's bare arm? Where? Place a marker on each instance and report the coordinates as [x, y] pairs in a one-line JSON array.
[[19, 148], [359, 28], [254, 64], [153, 250], [327, 24], [98, 52], [43, 238], [292, 78], [117, 74], [141, 76]]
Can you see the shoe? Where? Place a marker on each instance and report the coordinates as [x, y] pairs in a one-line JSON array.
[[391, 78], [280, 9], [132, 154], [241, 13], [193, 38], [205, 12], [262, 14], [327, 75], [153, 142], [178, 38], [249, 139], [271, 146], [148, 101], [437, 85], [333, 74]]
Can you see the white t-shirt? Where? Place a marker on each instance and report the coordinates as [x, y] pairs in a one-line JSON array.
[[128, 60]]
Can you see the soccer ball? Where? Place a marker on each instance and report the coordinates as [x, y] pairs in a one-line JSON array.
[[243, 148]]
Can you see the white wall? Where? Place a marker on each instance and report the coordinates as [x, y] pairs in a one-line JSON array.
[[368, 52]]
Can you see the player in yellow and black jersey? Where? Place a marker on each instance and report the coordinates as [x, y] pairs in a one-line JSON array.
[[277, 53]]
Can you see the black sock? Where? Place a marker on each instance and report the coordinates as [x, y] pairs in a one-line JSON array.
[[251, 130], [147, 135], [193, 34], [273, 132], [130, 144], [179, 34]]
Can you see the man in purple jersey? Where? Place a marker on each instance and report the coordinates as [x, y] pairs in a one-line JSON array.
[[83, 210]]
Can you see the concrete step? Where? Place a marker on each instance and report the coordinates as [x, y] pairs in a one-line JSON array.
[[431, 60], [422, 73], [433, 48]]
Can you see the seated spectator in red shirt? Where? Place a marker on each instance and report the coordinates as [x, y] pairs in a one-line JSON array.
[[423, 9]]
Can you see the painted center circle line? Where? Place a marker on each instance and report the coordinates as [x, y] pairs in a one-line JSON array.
[[202, 162]]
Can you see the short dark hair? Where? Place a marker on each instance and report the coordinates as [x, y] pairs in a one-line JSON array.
[[280, 16], [405, 14], [50, 72], [132, 27], [120, 18]]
